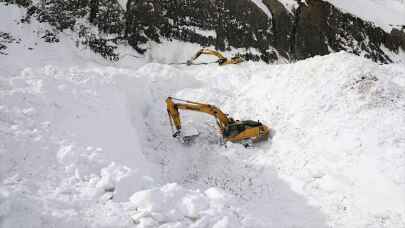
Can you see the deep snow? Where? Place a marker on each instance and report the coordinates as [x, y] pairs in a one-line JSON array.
[[85, 143]]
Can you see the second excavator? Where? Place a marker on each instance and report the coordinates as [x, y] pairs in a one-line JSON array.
[[222, 60], [245, 132]]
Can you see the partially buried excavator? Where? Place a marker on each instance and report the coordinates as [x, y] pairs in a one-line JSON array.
[[222, 60], [245, 132]]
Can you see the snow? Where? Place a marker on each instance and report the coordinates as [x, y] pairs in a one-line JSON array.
[[123, 4], [330, 141], [290, 5], [87, 143], [383, 13], [263, 7], [175, 206], [163, 52]]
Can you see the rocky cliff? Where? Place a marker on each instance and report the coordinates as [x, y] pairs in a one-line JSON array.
[[313, 27]]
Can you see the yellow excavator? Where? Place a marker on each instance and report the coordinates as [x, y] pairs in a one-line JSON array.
[[222, 60], [245, 132]]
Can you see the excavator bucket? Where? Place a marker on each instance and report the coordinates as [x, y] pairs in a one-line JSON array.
[[188, 139], [188, 135]]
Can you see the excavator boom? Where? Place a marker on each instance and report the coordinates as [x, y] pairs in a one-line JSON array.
[[174, 115], [222, 60], [207, 51]]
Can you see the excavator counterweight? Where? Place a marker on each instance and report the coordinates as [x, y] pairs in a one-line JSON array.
[[245, 132]]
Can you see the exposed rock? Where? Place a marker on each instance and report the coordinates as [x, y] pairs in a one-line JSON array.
[[397, 38], [283, 27], [6, 38], [322, 28], [313, 28], [50, 37], [24, 3]]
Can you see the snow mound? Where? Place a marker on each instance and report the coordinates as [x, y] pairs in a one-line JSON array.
[[339, 129], [175, 206]]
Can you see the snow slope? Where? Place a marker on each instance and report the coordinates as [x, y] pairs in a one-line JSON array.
[[85, 143], [339, 131], [290, 4], [263, 7]]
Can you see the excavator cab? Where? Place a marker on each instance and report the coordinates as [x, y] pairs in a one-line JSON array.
[[222, 61], [236, 60], [246, 132], [234, 129]]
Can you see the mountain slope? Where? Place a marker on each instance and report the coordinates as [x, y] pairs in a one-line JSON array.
[[267, 30], [386, 14]]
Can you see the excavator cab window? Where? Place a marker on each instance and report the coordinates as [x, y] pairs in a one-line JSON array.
[[251, 123], [234, 129]]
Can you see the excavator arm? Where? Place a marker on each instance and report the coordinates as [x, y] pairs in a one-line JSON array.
[[207, 51], [173, 110], [222, 60]]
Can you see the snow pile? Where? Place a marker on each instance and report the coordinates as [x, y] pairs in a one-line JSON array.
[[56, 156], [175, 206], [339, 130]]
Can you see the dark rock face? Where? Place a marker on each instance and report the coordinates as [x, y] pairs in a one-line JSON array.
[[24, 3], [321, 28], [6, 38], [283, 27], [397, 38], [106, 15], [314, 28], [237, 23]]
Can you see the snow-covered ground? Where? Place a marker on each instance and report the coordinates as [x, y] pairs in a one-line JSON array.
[[86, 143]]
